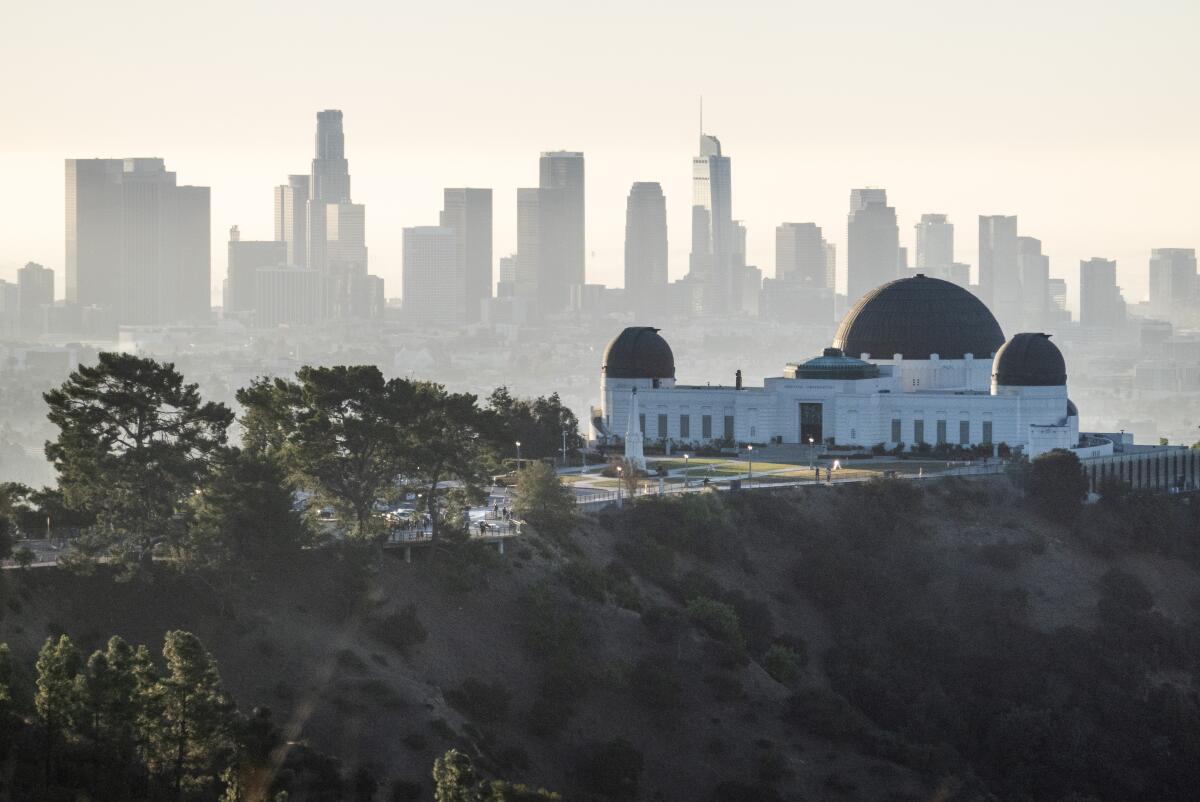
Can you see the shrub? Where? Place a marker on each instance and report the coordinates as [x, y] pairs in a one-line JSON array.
[[401, 630], [1056, 486], [584, 580], [485, 702], [656, 682], [717, 619], [782, 663], [612, 769]]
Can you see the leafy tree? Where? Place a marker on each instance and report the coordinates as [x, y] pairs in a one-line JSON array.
[[537, 423], [1056, 486], [339, 432], [133, 445], [445, 442], [543, 500], [783, 663], [454, 779], [196, 720], [244, 513]]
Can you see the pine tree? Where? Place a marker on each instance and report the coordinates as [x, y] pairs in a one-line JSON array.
[[55, 700], [194, 730]]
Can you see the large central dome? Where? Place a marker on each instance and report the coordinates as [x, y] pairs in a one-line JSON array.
[[918, 317]]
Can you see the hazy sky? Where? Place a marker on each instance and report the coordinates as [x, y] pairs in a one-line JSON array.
[[1080, 117]]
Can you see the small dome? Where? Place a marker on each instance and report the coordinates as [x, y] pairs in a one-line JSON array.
[[638, 353], [1029, 360], [1072, 410], [918, 317], [833, 364]]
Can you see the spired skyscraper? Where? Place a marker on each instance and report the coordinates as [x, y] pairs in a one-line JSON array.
[[646, 252], [711, 270], [138, 246], [872, 242]]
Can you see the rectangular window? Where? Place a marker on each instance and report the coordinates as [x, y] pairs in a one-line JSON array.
[[964, 432], [662, 426], [685, 426], [918, 432], [896, 435], [706, 426], [642, 423], [987, 432], [728, 427], [941, 432]]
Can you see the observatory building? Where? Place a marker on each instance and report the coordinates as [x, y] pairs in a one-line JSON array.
[[916, 361]]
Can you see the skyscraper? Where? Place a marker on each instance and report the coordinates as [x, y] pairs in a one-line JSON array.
[[469, 213], [935, 241], [1100, 301], [291, 218], [646, 252], [432, 289], [872, 240], [137, 245], [246, 258], [1033, 268], [329, 184], [35, 287], [999, 276], [1173, 284], [563, 170], [541, 251], [800, 255], [713, 235]]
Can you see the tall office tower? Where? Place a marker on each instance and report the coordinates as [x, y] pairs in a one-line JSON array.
[[433, 293], [346, 260], [1173, 287], [291, 218], [1033, 268], [873, 242], [999, 277], [541, 251], [935, 241], [646, 252], [506, 282], [563, 170], [35, 285], [138, 245], [469, 212], [801, 255], [830, 265], [1056, 290], [713, 233], [10, 309], [1100, 301], [246, 258], [329, 184], [94, 234]]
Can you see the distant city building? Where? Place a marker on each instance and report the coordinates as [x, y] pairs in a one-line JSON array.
[[541, 251], [469, 213], [751, 290], [506, 284], [136, 243], [563, 171], [999, 276], [1056, 290], [934, 241], [1173, 283], [1100, 301], [291, 218], [287, 296], [801, 255], [432, 290], [873, 242], [246, 257], [1033, 268], [646, 251], [711, 268], [35, 289], [346, 260], [10, 309]]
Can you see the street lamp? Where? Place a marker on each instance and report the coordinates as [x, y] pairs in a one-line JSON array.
[[687, 477], [811, 452], [750, 459], [620, 472], [518, 455]]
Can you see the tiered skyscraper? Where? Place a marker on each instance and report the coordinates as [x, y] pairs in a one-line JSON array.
[[137, 245], [711, 271], [646, 252], [873, 242], [550, 236]]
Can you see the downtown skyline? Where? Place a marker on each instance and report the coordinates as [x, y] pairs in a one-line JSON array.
[[800, 134]]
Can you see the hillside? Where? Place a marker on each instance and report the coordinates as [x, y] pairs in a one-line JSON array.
[[924, 640]]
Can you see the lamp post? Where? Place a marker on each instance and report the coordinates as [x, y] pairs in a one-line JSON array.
[[620, 481], [811, 452], [564, 447], [687, 477], [750, 459], [518, 455]]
